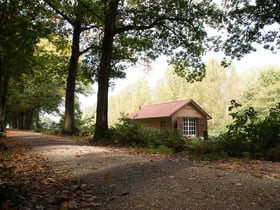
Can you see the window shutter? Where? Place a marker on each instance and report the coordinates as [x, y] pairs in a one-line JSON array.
[[180, 123], [202, 127]]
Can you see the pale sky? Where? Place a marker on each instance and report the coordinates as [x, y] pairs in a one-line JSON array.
[[260, 59]]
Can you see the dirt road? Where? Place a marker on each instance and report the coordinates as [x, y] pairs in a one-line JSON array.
[[65, 175]]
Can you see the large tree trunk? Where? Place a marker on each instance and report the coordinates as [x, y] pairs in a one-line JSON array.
[[69, 123], [101, 128], [4, 81]]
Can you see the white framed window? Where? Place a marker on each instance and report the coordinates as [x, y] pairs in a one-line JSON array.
[[189, 126]]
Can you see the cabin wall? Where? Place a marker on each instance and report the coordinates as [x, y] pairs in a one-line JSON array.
[[156, 123], [186, 111]]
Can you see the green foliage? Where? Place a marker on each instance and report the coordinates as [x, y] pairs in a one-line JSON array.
[[22, 24], [46, 123], [214, 131], [87, 126], [139, 94], [264, 91], [207, 149], [251, 22], [194, 142], [251, 136], [127, 132], [248, 136], [172, 139], [162, 149], [38, 91]]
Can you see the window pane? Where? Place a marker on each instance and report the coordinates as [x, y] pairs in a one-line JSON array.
[[189, 127]]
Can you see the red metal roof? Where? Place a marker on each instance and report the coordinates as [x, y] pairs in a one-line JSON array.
[[164, 110]]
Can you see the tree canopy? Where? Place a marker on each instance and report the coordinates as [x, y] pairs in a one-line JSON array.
[[264, 92], [251, 22], [38, 90], [22, 23]]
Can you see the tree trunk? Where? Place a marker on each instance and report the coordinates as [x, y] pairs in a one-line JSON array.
[[1, 95], [28, 119], [21, 121], [69, 123], [101, 128], [37, 124], [14, 123], [4, 81]]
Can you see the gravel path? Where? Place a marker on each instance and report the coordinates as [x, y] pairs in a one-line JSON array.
[[114, 179]]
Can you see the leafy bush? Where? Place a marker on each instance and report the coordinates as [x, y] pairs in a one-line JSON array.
[[194, 142], [250, 135], [87, 126], [210, 149], [127, 132]]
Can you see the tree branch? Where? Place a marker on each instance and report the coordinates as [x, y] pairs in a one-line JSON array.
[[154, 23], [174, 32], [85, 50], [136, 28], [88, 27], [87, 7], [49, 2]]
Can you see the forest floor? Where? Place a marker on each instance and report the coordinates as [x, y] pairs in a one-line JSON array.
[[50, 172]]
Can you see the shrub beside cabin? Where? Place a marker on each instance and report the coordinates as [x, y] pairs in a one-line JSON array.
[[186, 116]]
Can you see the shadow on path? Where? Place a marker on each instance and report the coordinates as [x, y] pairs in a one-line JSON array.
[[102, 178]]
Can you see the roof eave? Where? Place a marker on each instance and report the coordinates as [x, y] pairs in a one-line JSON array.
[[201, 110], [144, 118]]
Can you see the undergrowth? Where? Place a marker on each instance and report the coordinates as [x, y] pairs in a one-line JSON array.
[[248, 136]]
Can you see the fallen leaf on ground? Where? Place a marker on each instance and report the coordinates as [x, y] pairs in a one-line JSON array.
[[108, 175]]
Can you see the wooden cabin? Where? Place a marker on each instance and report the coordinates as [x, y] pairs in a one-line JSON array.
[[186, 116]]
